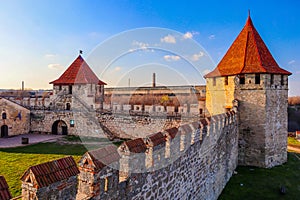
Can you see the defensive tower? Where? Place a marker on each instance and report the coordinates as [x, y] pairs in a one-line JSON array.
[[81, 83], [248, 74]]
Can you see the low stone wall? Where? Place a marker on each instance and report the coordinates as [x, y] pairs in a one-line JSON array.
[[85, 123]]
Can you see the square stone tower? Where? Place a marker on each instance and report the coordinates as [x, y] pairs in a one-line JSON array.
[[79, 83], [249, 76]]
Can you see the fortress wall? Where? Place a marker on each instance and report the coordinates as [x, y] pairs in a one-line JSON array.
[[85, 124], [17, 118], [194, 161]]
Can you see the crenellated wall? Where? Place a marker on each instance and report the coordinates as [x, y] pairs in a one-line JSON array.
[[194, 161]]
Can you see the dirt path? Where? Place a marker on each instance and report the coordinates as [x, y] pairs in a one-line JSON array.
[[292, 148]]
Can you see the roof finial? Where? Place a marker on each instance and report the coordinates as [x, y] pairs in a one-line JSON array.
[[80, 52], [248, 12]]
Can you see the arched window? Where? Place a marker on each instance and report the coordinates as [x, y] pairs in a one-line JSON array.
[[4, 115], [68, 106]]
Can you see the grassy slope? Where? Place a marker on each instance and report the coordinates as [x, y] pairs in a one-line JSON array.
[[293, 142]]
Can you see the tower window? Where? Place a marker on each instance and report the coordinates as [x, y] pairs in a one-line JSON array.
[[70, 89], [59, 88], [214, 81], [68, 106], [282, 79], [242, 79], [4, 115], [226, 80], [272, 79], [257, 78]]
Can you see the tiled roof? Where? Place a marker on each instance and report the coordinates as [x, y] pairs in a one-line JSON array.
[[172, 132], [4, 191], [78, 72], [104, 156], [157, 138], [136, 145], [248, 54], [50, 172]]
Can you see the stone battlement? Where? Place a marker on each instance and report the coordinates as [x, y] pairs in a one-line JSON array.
[[193, 161]]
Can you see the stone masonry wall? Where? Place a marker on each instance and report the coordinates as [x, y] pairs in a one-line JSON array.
[[17, 118], [85, 123], [58, 190], [207, 157], [219, 96], [276, 122], [262, 115], [263, 121]]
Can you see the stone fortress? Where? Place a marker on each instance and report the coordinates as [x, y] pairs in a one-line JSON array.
[[190, 154]]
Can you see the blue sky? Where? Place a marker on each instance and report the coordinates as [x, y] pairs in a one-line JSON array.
[[39, 39]]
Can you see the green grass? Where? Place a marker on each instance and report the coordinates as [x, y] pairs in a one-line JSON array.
[[292, 141], [257, 183], [75, 138], [249, 183], [14, 161]]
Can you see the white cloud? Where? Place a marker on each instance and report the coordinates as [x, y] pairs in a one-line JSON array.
[[189, 35], [140, 46], [55, 66], [206, 71], [171, 58], [291, 62], [211, 37], [49, 55], [197, 56], [117, 69], [168, 39]]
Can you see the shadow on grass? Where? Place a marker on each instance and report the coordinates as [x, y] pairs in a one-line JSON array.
[[51, 148], [56, 148], [257, 183]]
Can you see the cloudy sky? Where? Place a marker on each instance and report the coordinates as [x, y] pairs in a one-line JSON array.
[[40, 39]]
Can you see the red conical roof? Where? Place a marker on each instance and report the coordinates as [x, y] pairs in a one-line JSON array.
[[79, 72], [247, 55]]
